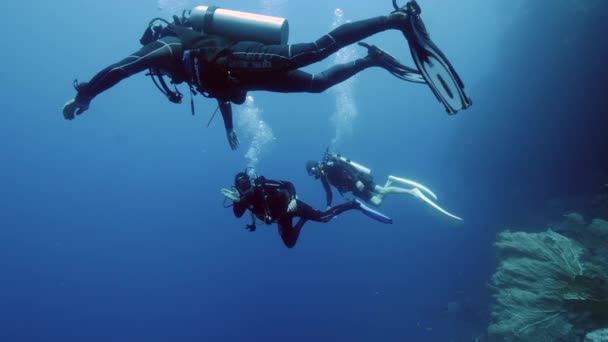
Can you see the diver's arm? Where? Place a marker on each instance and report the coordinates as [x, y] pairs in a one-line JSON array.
[[161, 53], [292, 205], [290, 188], [226, 109], [327, 187], [283, 191], [281, 186]]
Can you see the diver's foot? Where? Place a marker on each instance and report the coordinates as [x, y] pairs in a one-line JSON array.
[[398, 18], [380, 58], [407, 19], [413, 7]]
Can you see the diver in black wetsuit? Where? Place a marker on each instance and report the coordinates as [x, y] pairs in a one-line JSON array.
[[348, 176], [345, 177], [227, 70], [276, 201]]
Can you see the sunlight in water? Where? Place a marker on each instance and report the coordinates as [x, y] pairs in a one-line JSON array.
[[171, 7], [273, 7], [346, 108], [251, 126]]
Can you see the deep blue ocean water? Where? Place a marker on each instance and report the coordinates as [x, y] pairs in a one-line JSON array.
[[112, 226]]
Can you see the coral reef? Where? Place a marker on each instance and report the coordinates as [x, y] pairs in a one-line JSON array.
[[552, 285], [599, 228], [600, 335]]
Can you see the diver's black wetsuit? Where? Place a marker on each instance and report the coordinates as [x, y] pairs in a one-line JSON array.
[[227, 70], [344, 177], [274, 67], [268, 200]]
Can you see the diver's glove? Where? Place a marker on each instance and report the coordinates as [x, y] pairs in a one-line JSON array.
[[292, 206], [233, 140], [78, 104], [73, 108], [231, 194]]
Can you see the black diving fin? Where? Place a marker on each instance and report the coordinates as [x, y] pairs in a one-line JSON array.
[[434, 66], [392, 64]]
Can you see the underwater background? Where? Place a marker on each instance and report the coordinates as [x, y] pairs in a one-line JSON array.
[[112, 226]]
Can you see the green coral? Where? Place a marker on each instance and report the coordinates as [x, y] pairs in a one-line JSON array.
[[534, 272], [599, 228], [600, 335], [551, 286]]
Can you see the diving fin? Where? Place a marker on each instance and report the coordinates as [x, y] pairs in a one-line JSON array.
[[376, 215], [434, 66], [391, 64], [414, 184], [417, 193]]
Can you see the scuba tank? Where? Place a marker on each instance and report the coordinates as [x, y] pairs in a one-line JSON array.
[[330, 155], [357, 166], [232, 25], [238, 26]]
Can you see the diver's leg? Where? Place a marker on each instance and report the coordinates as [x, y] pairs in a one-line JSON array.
[[372, 193], [338, 209], [338, 74], [387, 189], [252, 55], [298, 81], [289, 234], [275, 67], [389, 182], [304, 54], [306, 212], [391, 179]]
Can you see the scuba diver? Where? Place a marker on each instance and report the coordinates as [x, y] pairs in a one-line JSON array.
[[276, 201], [223, 54], [348, 176]]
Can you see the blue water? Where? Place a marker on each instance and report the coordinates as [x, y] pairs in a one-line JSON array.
[[112, 226]]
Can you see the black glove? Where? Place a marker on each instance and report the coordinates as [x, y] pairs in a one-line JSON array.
[[77, 105], [73, 108]]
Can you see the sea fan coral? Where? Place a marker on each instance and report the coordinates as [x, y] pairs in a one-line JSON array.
[[534, 272]]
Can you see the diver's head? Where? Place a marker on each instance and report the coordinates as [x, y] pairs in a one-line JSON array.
[[242, 182], [312, 166]]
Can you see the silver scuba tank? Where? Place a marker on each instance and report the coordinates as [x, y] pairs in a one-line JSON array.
[[357, 166], [238, 26]]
